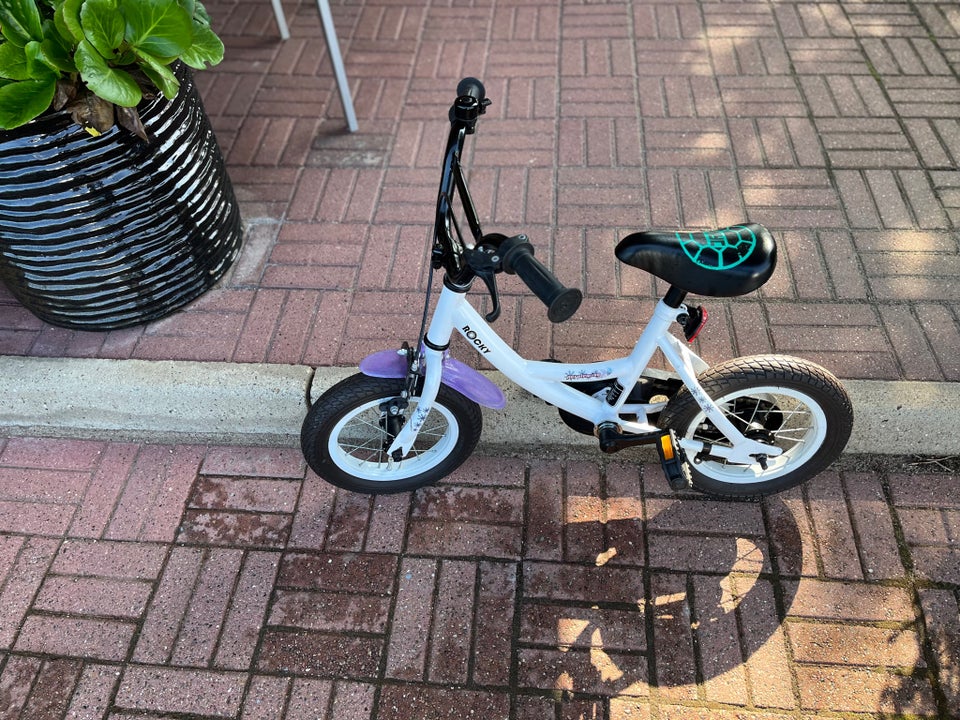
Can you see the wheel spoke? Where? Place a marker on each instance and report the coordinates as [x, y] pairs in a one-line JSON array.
[[362, 440], [787, 420], [345, 437]]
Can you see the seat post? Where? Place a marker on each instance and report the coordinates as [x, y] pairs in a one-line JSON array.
[[674, 297]]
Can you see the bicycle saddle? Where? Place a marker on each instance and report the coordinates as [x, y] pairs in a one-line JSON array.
[[716, 263]]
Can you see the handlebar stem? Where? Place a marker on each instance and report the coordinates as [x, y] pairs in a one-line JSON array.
[[466, 110]]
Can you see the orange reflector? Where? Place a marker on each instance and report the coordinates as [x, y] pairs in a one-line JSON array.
[[667, 447]]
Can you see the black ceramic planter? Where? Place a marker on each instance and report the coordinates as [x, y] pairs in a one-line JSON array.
[[107, 232]]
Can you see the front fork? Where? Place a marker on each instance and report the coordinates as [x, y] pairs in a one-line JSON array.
[[432, 375]]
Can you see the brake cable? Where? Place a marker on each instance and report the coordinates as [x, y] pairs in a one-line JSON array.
[[414, 355]]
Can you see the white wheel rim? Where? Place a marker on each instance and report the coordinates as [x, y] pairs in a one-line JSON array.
[[802, 433], [356, 443]]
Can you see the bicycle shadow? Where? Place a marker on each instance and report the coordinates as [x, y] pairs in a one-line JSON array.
[[932, 688], [709, 625]]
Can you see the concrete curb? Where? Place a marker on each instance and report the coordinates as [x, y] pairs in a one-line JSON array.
[[261, 404], [156, 401]]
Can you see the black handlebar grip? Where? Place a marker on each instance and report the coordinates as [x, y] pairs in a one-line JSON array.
[[562, 302], [472, 87]]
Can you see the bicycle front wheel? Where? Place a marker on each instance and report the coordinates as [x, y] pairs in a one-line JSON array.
[[791, 403], [346, 434]]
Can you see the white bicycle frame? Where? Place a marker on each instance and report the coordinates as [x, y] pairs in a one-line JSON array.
[[547, 380]]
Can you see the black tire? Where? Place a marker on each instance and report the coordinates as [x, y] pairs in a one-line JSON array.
[[447, 438], [796, 404]]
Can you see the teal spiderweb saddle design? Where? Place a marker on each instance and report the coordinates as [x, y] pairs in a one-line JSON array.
[[720, 250]]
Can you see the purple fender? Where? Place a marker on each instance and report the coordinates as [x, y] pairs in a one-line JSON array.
[[462, 378]]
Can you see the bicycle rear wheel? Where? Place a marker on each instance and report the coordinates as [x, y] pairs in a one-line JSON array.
[[791, 403]]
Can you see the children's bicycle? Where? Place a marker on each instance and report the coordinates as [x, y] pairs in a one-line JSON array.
[[745, 428]]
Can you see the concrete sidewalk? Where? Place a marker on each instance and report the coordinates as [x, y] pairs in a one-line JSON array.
[[258, 404]]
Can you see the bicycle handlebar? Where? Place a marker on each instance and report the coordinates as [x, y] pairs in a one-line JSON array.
[[470, 104], [471, 87], [517, 257], [513, 255]]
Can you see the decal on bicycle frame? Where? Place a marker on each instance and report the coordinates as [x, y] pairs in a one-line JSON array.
[[718, 250], [419, 417], [580, 375], [471, 335]]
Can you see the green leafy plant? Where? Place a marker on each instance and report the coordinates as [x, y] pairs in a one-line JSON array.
[[97, 59]]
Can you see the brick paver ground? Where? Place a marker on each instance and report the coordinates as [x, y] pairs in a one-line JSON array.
[[149, 581], [834, 123]]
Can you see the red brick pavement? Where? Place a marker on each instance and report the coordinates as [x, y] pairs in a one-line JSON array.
[[833, 123], [149, 581]]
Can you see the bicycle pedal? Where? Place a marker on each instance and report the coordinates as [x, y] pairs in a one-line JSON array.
[[673, 460]]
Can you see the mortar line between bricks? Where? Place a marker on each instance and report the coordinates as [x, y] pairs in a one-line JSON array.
[[331, 697], [367, 508], [381, 679], [653, 679], [554, 210], [691, 601], [228, 606], [741, 641], [474, 617], [516, 622], [118, 497], [815, 535], [857, 540], [431, 628], [184, 617]]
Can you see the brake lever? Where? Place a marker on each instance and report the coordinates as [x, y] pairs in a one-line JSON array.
[[484, 260]]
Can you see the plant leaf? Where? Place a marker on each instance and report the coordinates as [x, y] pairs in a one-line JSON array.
[[21, 21], [67, 18], [102, 25], [206, 48], [13, 62], [21, 102], [111, 84], [92, 113], [129, 118], [159, 74], [56, 55], [200, 12], [159, 27], [38, 64]]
